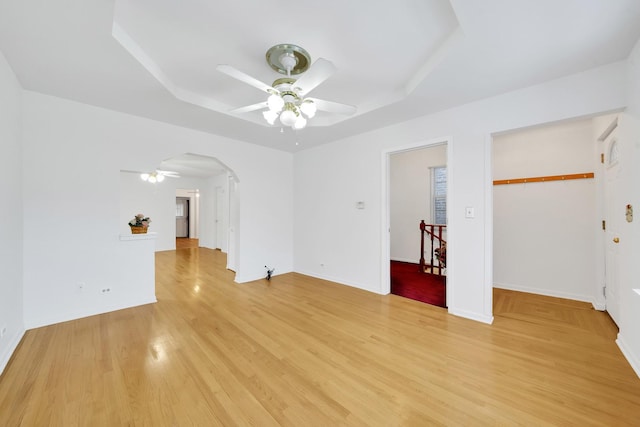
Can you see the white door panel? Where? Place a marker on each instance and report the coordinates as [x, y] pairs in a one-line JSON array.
[[614, 214]]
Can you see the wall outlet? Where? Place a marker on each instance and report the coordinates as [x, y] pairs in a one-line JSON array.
[[106, 290], [3, 331]]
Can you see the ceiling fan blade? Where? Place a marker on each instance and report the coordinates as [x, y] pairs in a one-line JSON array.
[[170, 174], [248, 108], [319, 71], [334, 107], [239, 75]]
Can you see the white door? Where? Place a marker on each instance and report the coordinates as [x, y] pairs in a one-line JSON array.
[[182, 217], [233, 225], [614, 214], [220, 232]]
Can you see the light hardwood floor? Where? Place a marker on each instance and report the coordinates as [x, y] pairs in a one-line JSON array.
[[305, 352]]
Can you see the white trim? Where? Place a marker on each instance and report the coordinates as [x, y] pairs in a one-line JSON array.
[[11, 348], [471, 315], [385, 252], [450, 300], [411, 261], [488, 227], [79, 314], [626, 350], [147, 236], [342, 282], [545, 292], [245, 279]]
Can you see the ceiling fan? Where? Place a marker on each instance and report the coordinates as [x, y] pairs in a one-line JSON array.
[[288, 98], [155, 176]]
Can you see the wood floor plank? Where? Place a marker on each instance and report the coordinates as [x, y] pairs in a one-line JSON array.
[[299, 351]]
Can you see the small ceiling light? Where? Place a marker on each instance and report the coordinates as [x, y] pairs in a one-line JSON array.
[[157, 176], [270, 116], [300, 123], [288, 116], [308, 107], [275, 103]]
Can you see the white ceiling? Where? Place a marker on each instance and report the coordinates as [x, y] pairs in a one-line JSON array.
[[395, 60]]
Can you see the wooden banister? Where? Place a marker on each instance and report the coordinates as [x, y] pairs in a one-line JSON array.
[[438, 247]]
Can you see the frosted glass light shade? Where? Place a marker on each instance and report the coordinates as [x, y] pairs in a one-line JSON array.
[[144, 176], [288, 118], [300, 123], [270, 116], [160, 177], [275, 103], [308, 107]]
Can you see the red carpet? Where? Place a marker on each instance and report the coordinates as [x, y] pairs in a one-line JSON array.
[[408, 282]]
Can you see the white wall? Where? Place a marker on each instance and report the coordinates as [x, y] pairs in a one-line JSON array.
[[629, 142], [11, 284], [158, 202], [353, 244], [545, 233], [208, 216], [73, 155], [410, 198]]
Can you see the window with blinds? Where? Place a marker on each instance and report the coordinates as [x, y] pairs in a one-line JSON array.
[[439, 195]]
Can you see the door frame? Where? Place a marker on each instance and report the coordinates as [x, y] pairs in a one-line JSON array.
[[188, 216], [385, 255], [611, 283]]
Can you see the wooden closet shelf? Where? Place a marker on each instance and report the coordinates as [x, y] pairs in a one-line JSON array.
[[544, 178]]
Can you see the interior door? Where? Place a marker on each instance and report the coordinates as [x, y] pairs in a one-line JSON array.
[[220, 232], [182, 217], [614, 214]]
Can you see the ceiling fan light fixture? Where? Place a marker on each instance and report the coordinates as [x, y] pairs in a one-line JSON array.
[[270, 116], [159, 177], [300, 123], [288, 59], [144, 176], [308, 107], [275, 103], [288, 116]]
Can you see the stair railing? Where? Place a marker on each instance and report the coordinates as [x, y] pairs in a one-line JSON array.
[[438, 252]]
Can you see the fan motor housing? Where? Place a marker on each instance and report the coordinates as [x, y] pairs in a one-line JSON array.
[[276, 53]]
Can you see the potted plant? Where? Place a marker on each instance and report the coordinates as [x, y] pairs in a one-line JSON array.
[[139, 224]]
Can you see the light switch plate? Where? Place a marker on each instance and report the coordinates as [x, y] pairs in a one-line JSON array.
[[469, 212]]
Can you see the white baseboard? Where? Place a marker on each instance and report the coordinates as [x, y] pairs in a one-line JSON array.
[[253, 278], [478, 317], [65, 317], [545, 292], [633, 359], [11, 348], [410, 261], [340, 281]]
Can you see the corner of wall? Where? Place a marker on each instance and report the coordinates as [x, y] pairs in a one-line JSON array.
[[632, 358], [10, 349]]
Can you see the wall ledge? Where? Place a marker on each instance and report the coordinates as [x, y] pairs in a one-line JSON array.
[[147, 236]]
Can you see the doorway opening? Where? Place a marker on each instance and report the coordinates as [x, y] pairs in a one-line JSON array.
[[187, 218], [205, 205], [417, 192], [547, 211]]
